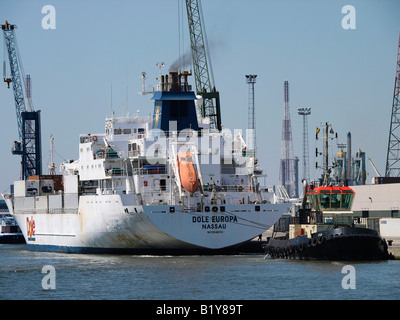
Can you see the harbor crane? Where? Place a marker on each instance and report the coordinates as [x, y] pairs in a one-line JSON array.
[[393, 150], [28, 120], [202, 68]]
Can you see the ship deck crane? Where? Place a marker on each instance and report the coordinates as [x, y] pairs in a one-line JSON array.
[[202, 65], [28, 120]]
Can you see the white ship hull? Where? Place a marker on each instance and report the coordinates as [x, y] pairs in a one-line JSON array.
[[103, 225]]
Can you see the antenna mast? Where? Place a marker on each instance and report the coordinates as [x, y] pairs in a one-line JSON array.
[[52, 166]]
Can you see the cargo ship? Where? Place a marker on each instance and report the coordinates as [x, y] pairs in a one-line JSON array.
[[162, 184]]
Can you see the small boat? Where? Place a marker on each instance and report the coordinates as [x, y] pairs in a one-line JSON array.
[[187, 173], [9, 229]]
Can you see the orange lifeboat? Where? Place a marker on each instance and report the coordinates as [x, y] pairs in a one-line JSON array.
[[187, 173]]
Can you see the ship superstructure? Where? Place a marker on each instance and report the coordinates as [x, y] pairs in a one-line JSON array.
[[163, 183]]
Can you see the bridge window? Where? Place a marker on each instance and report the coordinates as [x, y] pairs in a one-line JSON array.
[[347, 200], [325, 200], [336, 201]]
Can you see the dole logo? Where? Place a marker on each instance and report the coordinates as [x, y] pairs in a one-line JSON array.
[[30, 225]]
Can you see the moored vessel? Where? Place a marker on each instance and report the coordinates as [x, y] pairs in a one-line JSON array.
[[328, 231], [165, 184], [324, 226], [10, 233]]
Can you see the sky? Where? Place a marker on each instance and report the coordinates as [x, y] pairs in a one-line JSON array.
[[346, 76]]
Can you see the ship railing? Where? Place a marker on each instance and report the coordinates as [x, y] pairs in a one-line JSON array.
[[183, 87], [109, 191], [47, 210], [115, 172], [149, 171], [225, 188], [62, 210], [107, 154], [207, 188], [346, 220], [183, 135]]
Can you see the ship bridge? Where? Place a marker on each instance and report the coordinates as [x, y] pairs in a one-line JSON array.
[[330, 198]]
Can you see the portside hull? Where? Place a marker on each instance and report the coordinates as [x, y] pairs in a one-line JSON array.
[[102, 224], [341, 244]]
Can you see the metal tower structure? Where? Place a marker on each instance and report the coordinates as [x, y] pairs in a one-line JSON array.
[[28, 121], [287, 174], [52, 166], [327, 136], [202, 69], [306, 157], [393, 152], [251, 132]]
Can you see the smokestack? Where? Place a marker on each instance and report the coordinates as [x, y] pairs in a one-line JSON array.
[[173, 75], [162, 83], [185, 75]]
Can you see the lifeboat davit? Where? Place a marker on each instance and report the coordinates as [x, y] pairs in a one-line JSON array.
[[187, 173]]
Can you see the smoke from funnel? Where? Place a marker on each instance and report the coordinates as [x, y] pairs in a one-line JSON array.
[[214, 45], [182, 62]]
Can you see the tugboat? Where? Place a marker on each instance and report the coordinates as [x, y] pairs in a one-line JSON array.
[[324, 228], [327, 232]]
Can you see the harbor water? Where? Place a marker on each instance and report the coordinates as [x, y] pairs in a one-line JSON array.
[[26, 275]]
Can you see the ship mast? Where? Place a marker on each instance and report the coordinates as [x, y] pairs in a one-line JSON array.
[[326, 170], [52, 166]]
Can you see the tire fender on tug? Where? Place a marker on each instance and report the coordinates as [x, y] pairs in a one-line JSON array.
[[321, 240]]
